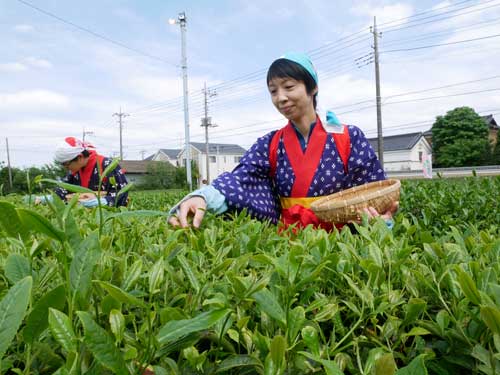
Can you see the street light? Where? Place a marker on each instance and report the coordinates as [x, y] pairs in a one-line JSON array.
[[84, 133], [181, 20]]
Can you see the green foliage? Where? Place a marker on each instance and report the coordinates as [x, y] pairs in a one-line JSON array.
[[237, 297], [12, 309], [19, 180], [460, 138], [161, 175], [495, 157]]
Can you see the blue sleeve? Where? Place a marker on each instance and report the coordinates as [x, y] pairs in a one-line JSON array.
[[363, 165], [61, 192], [249, 185], [216, 202], [115, 181]]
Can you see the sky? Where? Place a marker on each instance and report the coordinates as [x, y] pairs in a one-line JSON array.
[[66, 67]]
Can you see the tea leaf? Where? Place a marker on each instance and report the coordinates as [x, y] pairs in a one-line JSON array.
[[156, 276], [119, 294], [267, 302], [62, 330], [37, 321], [132, 275], [189, 273], [175, 329], [38, 223], [17, 267], [117, 324], [385, 365], [491, 317], [12, 309], [468, 286], [109, 168], [416, 367], [82, 267], [10, 221], [101, 345], [69, 187], [237, 361]]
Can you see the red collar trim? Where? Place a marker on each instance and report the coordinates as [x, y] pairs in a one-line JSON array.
[[304, 164]]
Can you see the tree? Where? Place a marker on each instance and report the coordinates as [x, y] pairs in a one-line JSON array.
[[495, 158], [20, 177], [460, 138], [160, 175]]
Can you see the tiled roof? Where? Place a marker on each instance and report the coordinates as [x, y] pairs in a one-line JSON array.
[[222, 148], [397, 142], [171, 153]]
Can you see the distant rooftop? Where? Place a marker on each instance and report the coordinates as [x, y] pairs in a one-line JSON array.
[[397, 142], [222, 148]]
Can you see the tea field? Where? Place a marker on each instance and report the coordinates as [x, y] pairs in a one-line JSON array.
[[103, 291]]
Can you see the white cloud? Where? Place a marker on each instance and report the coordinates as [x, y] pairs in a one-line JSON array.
[[31, 100], [12, 67], [442, 4], [23, 28], [38, 63], [155, 88], [385, 13]]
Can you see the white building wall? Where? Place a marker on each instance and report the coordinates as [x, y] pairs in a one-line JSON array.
[[218, 164], [406, 160], [397, 160]]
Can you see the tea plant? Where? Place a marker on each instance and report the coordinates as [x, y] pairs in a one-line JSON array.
[[119, 291]]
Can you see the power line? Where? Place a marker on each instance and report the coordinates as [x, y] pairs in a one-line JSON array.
[[320, 52], [441, 44], [424, 12], [475, 26], [460, 52], [395, 28], [95, 34]]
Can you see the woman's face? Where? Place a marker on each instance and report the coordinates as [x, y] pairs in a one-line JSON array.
[[75, 165], [290, 97]]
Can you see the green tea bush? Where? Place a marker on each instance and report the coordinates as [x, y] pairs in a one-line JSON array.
[[83, 292]]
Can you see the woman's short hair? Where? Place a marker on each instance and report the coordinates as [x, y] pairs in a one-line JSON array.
[[284, 68]]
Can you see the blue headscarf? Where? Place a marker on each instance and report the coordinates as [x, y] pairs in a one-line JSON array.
[[304, 61]]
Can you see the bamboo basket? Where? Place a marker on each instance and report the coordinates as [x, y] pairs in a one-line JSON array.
[[345, 205]]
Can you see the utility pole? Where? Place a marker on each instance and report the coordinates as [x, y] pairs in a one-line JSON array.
[[181, 20], [206, 122], [121, 115], [142, 152], [8, 163], [377, 35], [84, 133]]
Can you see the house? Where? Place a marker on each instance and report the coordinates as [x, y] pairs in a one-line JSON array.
[[489, 120], [164, 154], [136, 170], [403, 152], [222, 157]]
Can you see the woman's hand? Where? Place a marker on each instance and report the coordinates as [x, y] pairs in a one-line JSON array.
[[85, 196], [373, 213], [194, 206]]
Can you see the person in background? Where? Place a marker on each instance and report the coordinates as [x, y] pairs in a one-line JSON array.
[[287, 169], [81, 160]]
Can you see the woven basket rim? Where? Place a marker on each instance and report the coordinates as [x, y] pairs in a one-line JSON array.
[[371, 190]]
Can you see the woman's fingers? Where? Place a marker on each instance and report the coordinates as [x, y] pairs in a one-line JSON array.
[[194, 206], [174, 221], [198, 217]]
